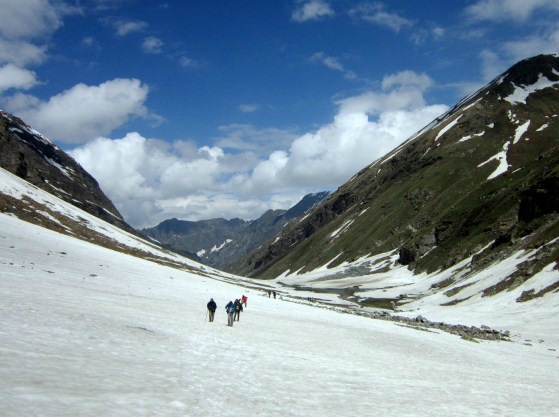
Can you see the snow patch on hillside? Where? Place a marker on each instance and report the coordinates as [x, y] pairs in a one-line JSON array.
[[501, 157], [520, 130], [447, 127], [521, 93]]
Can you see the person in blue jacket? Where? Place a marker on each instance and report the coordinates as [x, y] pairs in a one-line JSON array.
[[230, 309]]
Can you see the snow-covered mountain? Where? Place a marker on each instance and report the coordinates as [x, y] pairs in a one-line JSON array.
[[221, 242]]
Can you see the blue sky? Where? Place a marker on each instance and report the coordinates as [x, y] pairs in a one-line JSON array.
[[204, 108]]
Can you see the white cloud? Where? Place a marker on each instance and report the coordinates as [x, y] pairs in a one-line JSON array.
[[83, 112], [507, 10], [152, 45], [260, 141], [13, 77], [333, 63], [246, 172], [126, 27], [186, 62], [21, 53], [159, 180], [312, 10], [248, 108], [29, 19], [375, 13]]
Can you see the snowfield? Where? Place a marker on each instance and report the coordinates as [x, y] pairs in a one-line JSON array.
[[89, 331]]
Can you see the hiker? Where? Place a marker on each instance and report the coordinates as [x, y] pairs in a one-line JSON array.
[[269, 292], [230, 309], [238, 309], [244, 300], [274, 294], [212, 306]]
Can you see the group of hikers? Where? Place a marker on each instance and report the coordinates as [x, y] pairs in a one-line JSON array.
[[233, 309]]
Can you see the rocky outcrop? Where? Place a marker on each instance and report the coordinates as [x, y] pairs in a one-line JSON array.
[[32, 157]]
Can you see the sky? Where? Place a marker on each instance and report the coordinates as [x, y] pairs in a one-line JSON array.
[[204, 109]]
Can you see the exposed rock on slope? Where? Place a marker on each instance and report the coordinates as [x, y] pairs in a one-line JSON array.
[[32, 157]]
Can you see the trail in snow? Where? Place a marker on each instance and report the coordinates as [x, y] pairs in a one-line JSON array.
[[88, 331]]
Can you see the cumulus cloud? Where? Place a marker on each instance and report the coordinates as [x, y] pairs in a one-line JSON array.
[[29, 19], [312, 10], [23, 24], [157, 180], [13, 77], [245, 173], [21, 53], [83, 112]]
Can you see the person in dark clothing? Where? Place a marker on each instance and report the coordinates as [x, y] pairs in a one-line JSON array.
[[269, 293], [274, 294], [238, 309], [212, 306], [230, 309]]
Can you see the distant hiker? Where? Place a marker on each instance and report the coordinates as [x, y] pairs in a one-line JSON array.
[[238, 309], [244, 300], [269, 293], [230, 309], [274, 294], [212, 306]]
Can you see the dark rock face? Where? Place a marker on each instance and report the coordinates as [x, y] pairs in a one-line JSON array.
[[29, 155], [540, 199]]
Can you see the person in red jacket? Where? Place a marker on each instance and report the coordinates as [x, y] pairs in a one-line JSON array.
[[244, 300]]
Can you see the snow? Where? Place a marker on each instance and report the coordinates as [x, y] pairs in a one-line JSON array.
[[468, 137], [541, 128], [521, 93], [520, 130], [341, 229], [447, 128], [87, 331], [216, 248], [501, 157]]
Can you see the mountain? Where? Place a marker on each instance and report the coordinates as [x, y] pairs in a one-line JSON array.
[[220, 242], [32, 157], [473, 188]]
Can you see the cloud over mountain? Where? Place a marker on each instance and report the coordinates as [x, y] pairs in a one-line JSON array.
[[183, 180]]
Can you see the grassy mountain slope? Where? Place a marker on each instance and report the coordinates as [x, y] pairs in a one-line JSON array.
[[483, 176]]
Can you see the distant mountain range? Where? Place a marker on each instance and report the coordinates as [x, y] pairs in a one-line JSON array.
[[220, 242], [479, 183]]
